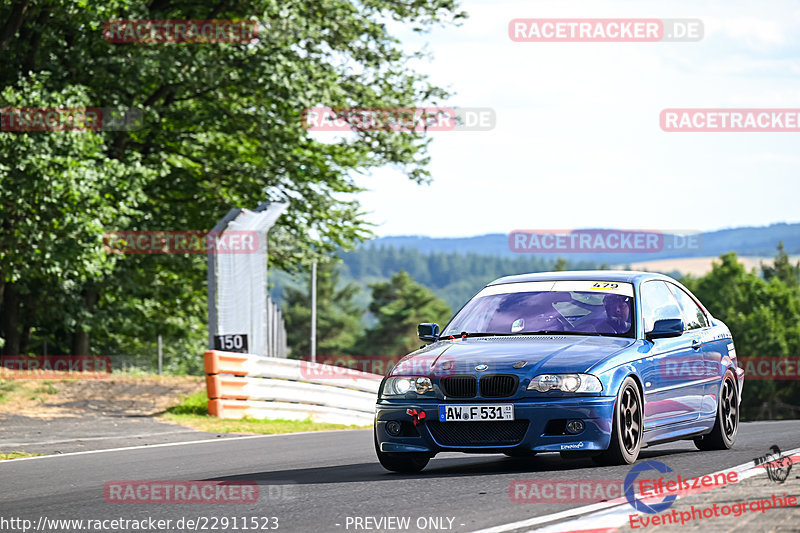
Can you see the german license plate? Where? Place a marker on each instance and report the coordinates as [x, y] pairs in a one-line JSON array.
[[478, 413]]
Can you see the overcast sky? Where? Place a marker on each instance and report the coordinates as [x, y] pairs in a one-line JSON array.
[[578, 142]]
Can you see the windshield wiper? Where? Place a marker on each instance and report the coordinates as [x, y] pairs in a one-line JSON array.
[[464, 334], [558, 332]]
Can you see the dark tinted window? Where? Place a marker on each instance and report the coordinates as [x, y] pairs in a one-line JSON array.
[[693, 316], [658, 303], [527, 312]]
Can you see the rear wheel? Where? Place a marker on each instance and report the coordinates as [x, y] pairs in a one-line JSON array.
[[626, 429], [406, 463], [726, 425]]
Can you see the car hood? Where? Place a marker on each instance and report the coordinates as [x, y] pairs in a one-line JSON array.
[[542, 354]]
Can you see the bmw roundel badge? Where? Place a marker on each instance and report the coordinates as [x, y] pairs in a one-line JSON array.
[[481, 367]]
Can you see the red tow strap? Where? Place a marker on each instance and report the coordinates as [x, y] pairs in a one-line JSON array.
[[418, 415]]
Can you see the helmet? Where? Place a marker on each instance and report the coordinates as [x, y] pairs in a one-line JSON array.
[[615, 299]]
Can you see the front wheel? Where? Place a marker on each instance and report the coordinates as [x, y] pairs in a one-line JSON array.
[[626, 429], [405, 463], [726, 425]]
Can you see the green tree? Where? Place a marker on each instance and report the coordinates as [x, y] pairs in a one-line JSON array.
[[764, 318], [399, 305], [221, 128], [338, 316], [782, 269], [561, 265], [58, 193]]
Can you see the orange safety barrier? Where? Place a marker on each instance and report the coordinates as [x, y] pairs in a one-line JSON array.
[[226, 387], [227, 408], [246, 385], [217, 362]]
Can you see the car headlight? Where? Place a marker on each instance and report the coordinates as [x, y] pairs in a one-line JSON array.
[[400, 386], [566, 383]]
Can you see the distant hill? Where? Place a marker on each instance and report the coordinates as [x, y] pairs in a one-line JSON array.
[[745, 241], [456, 268]]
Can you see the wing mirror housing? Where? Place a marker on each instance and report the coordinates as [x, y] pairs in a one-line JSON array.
[[428, 332], [666, 328]]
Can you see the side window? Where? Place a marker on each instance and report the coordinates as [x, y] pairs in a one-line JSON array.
[[657, 303], [693, 316]]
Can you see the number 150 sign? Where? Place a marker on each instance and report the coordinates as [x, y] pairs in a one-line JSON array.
[[231, 343]]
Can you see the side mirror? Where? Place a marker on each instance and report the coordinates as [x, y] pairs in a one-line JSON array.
[[666, 328], [428, 332]]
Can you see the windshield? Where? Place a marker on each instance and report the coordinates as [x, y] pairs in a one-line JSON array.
[[585, 307]]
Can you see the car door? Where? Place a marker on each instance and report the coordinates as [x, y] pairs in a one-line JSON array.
[[714, 349], [672, 394]]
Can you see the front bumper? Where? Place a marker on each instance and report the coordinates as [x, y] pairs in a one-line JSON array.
[[544, 419]]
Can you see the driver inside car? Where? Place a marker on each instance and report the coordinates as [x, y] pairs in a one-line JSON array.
[[618, 314]]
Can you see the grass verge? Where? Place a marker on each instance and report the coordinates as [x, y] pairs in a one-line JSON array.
[[17, 455], [193, 413], [35, 390], [8, 390]]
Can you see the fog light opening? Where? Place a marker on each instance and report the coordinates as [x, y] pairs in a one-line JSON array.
[[575, 426], [393, 428]]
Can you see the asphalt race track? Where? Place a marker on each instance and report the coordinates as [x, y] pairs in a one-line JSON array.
[[320, 482]]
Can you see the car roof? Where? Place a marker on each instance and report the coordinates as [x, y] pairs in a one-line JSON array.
[[627, 276]]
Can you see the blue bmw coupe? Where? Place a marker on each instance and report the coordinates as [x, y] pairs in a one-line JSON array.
[[595, 363]]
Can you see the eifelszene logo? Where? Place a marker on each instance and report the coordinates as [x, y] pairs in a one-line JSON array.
[[635, 502]]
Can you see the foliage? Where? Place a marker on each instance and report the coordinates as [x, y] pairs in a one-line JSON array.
[[764, 318], [338, 317], [57, 195], [221, 128], [17, 455], [453, 276], [194, 404], [193, 413], [782, 269], [399, 305]]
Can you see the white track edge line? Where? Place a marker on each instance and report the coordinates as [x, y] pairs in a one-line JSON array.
[[166, 444], [537, 520], [82, 439]]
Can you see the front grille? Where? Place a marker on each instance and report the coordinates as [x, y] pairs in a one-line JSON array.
[[498, 386], [459, 386], [478, 433]]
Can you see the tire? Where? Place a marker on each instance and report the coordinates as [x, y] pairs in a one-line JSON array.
[[626, 429], [726, 425], [405, 463]]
